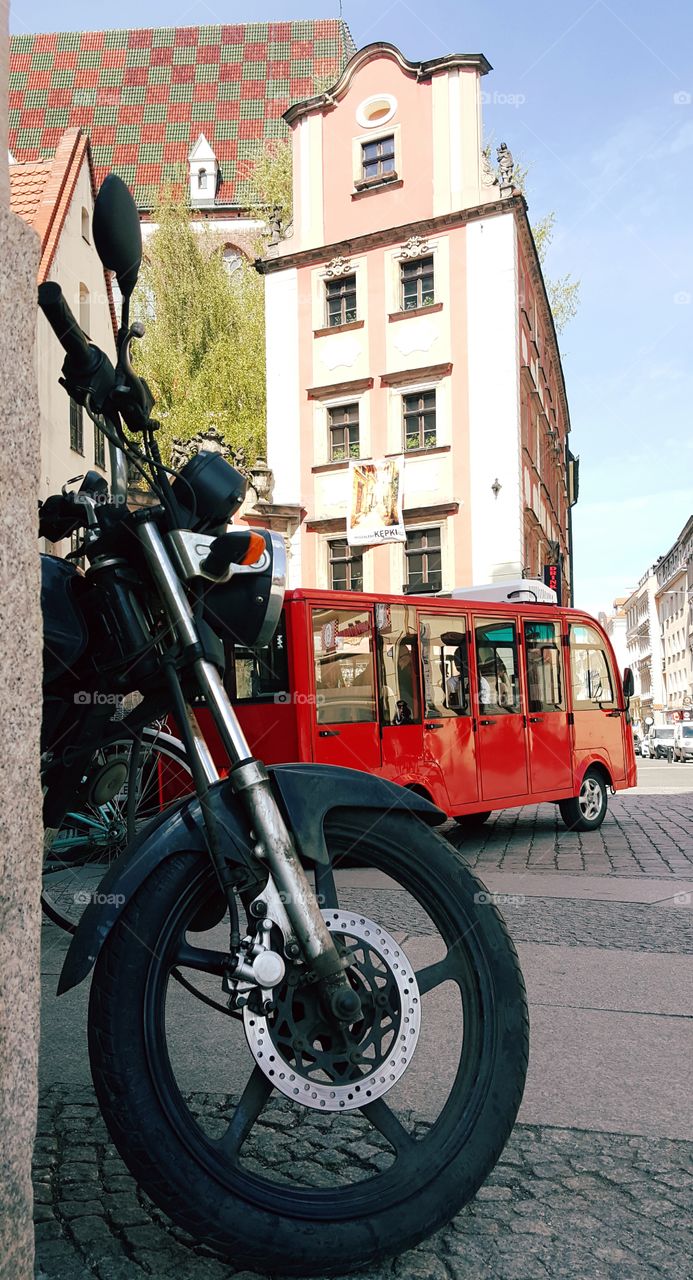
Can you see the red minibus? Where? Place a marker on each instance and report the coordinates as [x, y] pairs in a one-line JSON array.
[[478, 704]]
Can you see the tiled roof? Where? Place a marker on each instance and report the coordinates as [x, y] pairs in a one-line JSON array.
[[145, 96], [26, 187]]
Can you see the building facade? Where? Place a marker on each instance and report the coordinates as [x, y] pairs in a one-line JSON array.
[[56, 198], [644, 646], [407, 320], [674, 598], [616, 627]]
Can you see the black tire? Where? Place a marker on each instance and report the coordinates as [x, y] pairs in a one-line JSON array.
[[587, 810], [282, 1226], [472, 821]]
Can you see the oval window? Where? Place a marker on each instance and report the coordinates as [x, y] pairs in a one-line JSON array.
[[378, 109]]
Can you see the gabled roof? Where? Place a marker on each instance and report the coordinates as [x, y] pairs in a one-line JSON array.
[[41, 193], [145, 96]]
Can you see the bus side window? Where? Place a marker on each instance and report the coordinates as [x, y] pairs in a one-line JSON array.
[[543, 666], [398, 665], [344, 667], [445, 665], [496, 659], [258, 675], [590, 672]]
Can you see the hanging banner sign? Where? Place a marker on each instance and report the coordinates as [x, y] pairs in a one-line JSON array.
[[375, 502], [552, 579]]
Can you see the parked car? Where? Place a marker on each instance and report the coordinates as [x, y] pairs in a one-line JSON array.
[[661, 740], [644, 748], [683, 742]]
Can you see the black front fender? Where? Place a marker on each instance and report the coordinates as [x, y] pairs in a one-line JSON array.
[[307, 792]]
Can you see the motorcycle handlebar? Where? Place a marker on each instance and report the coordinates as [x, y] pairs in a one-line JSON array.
[[64, 325]]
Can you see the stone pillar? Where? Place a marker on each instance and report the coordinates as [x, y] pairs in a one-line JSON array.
[[20, 715]]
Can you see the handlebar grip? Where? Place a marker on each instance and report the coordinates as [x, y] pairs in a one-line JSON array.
[[64, 325]]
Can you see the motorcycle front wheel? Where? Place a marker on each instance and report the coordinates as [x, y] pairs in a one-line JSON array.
[[282, 1143]]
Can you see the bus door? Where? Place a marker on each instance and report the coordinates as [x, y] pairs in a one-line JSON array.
[[345, 724], [449, 741], [599, 722], [502, 733], [399, 687], [550, 739]]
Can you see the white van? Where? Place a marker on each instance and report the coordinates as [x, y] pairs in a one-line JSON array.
[[661, 740], [683, 741]]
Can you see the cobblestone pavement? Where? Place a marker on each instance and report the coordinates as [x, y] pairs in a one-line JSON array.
[[561, 1203], [641, 835]]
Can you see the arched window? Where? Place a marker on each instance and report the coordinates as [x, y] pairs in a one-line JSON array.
[[232, 259], [84, 308], [202, 179], [85, 225]]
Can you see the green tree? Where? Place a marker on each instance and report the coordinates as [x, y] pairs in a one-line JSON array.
[[203, 353], [271, 176]]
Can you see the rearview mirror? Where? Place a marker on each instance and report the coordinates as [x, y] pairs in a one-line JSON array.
[[628, 683], [117, 232]]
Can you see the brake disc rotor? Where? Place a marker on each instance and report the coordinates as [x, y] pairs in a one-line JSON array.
[[334, 1069]]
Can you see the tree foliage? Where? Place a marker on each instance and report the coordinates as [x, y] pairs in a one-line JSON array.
[[272, 179], [203, 353]]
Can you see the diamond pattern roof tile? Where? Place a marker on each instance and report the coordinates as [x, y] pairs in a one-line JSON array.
[[143, 95]]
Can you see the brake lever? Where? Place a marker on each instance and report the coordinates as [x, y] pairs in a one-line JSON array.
[[131, 395]]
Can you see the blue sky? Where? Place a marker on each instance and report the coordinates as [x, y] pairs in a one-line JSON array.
[[597, 98]]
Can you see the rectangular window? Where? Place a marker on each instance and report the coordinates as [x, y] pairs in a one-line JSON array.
[[346, 566], [258, 675], [75, 544], [378, 159], [589, 669], [445, 665], [344, 432], [341, 301], [417, 283], [76, 427], [497, 666], [344, 667], [424, 566], [543, 666], [419, 414], [398, 665], [99, 448]]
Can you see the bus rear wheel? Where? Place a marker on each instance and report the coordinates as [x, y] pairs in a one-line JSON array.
[[586, 811], [472, 821]]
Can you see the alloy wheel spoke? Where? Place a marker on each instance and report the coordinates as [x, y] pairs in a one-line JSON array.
[[253, 1099], [434, 974], [386, 1122]]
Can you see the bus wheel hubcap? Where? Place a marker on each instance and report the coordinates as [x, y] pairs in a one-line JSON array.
[[590, 798]]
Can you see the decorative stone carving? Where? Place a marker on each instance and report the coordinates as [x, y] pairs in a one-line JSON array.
[[338, 267], [415, 247], [212, 441], [506, 165], [262, 480]]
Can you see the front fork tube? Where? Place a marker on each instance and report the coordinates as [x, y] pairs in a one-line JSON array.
[[250, 781]]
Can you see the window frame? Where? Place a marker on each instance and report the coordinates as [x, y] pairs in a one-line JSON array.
[[345, 427], [417, 275], [336, 654], [420, 413], [381, 174], [353, 554], [590, 704], [337, 289], [418, 531], [99, 448], [76, 427]]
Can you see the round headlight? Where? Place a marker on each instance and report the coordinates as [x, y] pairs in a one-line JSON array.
[[246, 609]]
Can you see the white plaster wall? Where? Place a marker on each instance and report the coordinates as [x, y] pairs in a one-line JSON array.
[[75, 262], [494, 405], [283, 392]]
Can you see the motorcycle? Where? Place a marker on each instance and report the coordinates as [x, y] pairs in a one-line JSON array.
[[303, 1084]]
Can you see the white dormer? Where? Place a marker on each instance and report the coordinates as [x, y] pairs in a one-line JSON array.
[[204, 170]]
